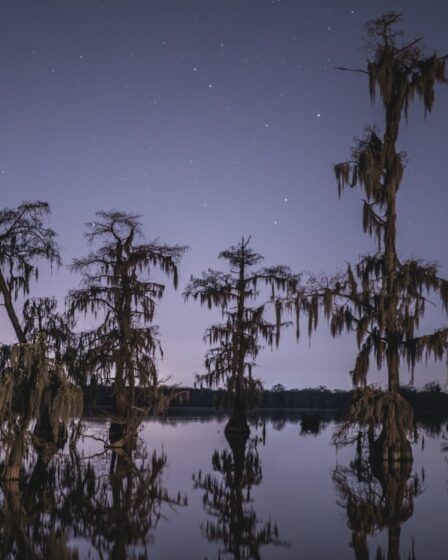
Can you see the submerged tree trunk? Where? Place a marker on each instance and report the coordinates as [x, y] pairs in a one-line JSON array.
[[392, 445], [121, 424], [16, 516], [6, 293], [237, 522], [237, 423]]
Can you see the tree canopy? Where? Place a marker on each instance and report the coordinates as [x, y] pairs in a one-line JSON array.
[[236, 342], [118, 290]]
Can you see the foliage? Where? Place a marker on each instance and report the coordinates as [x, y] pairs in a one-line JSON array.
[[24, 238], [33, 386], [228, 500], [383, 298], [113, 502], [375, 501], [117, 289], [33, 381], [235, 342]]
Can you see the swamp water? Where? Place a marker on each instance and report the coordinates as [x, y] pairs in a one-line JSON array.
[[288, 493]]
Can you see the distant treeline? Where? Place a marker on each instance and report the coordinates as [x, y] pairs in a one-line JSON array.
[[430, 398]]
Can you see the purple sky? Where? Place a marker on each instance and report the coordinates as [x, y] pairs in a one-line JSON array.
[[214, 119]]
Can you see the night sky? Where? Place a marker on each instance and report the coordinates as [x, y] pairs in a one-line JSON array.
[[215, 119]]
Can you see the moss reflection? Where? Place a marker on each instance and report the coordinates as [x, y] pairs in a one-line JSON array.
[[229, 502], [376, 499], [110, 502]]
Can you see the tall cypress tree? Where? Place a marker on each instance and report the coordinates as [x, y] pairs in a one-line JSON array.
[[34, 385], [237, 340], [118, 289], [383, 297]]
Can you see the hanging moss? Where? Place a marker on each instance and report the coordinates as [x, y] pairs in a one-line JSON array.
[[383, 298], [236, 342]]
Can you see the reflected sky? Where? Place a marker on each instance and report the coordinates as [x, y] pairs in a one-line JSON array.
[[151, 503], [297, 492]]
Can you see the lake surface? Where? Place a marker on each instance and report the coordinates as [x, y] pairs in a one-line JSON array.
[[287, 494]]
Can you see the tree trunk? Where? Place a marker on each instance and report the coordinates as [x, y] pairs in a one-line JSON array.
[[393, 548], [118, 426], [10, 309], [391, 450], [237, 423], [237, 523], [15, 457], [393, 367]]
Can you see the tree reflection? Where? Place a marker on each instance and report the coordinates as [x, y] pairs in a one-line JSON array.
[[375, 499], [312, 424], [117, 511], [228, 501], [113, 501], [29, 514]]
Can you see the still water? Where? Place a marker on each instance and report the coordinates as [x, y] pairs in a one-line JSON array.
[[187, 494]]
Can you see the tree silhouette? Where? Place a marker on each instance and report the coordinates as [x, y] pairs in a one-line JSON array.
[[118, 290], [24, 239], [33, 380], [115, 511], [232, 360], [113, 501], [376, 499], [383, 298], [228, 500]]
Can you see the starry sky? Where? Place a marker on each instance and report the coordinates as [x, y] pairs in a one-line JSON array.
[[215, 119]]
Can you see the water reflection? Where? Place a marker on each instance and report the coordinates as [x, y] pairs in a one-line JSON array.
[[29, 511], [70, 507], [376, 499], [228, 500], [88, 501]]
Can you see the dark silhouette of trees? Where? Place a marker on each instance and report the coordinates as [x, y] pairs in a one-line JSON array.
[[228, 500], [383, 298], [111, 500], [232, 360], [376, 499], [33, 380], [24, 239], [118, 290], [115, 504]]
